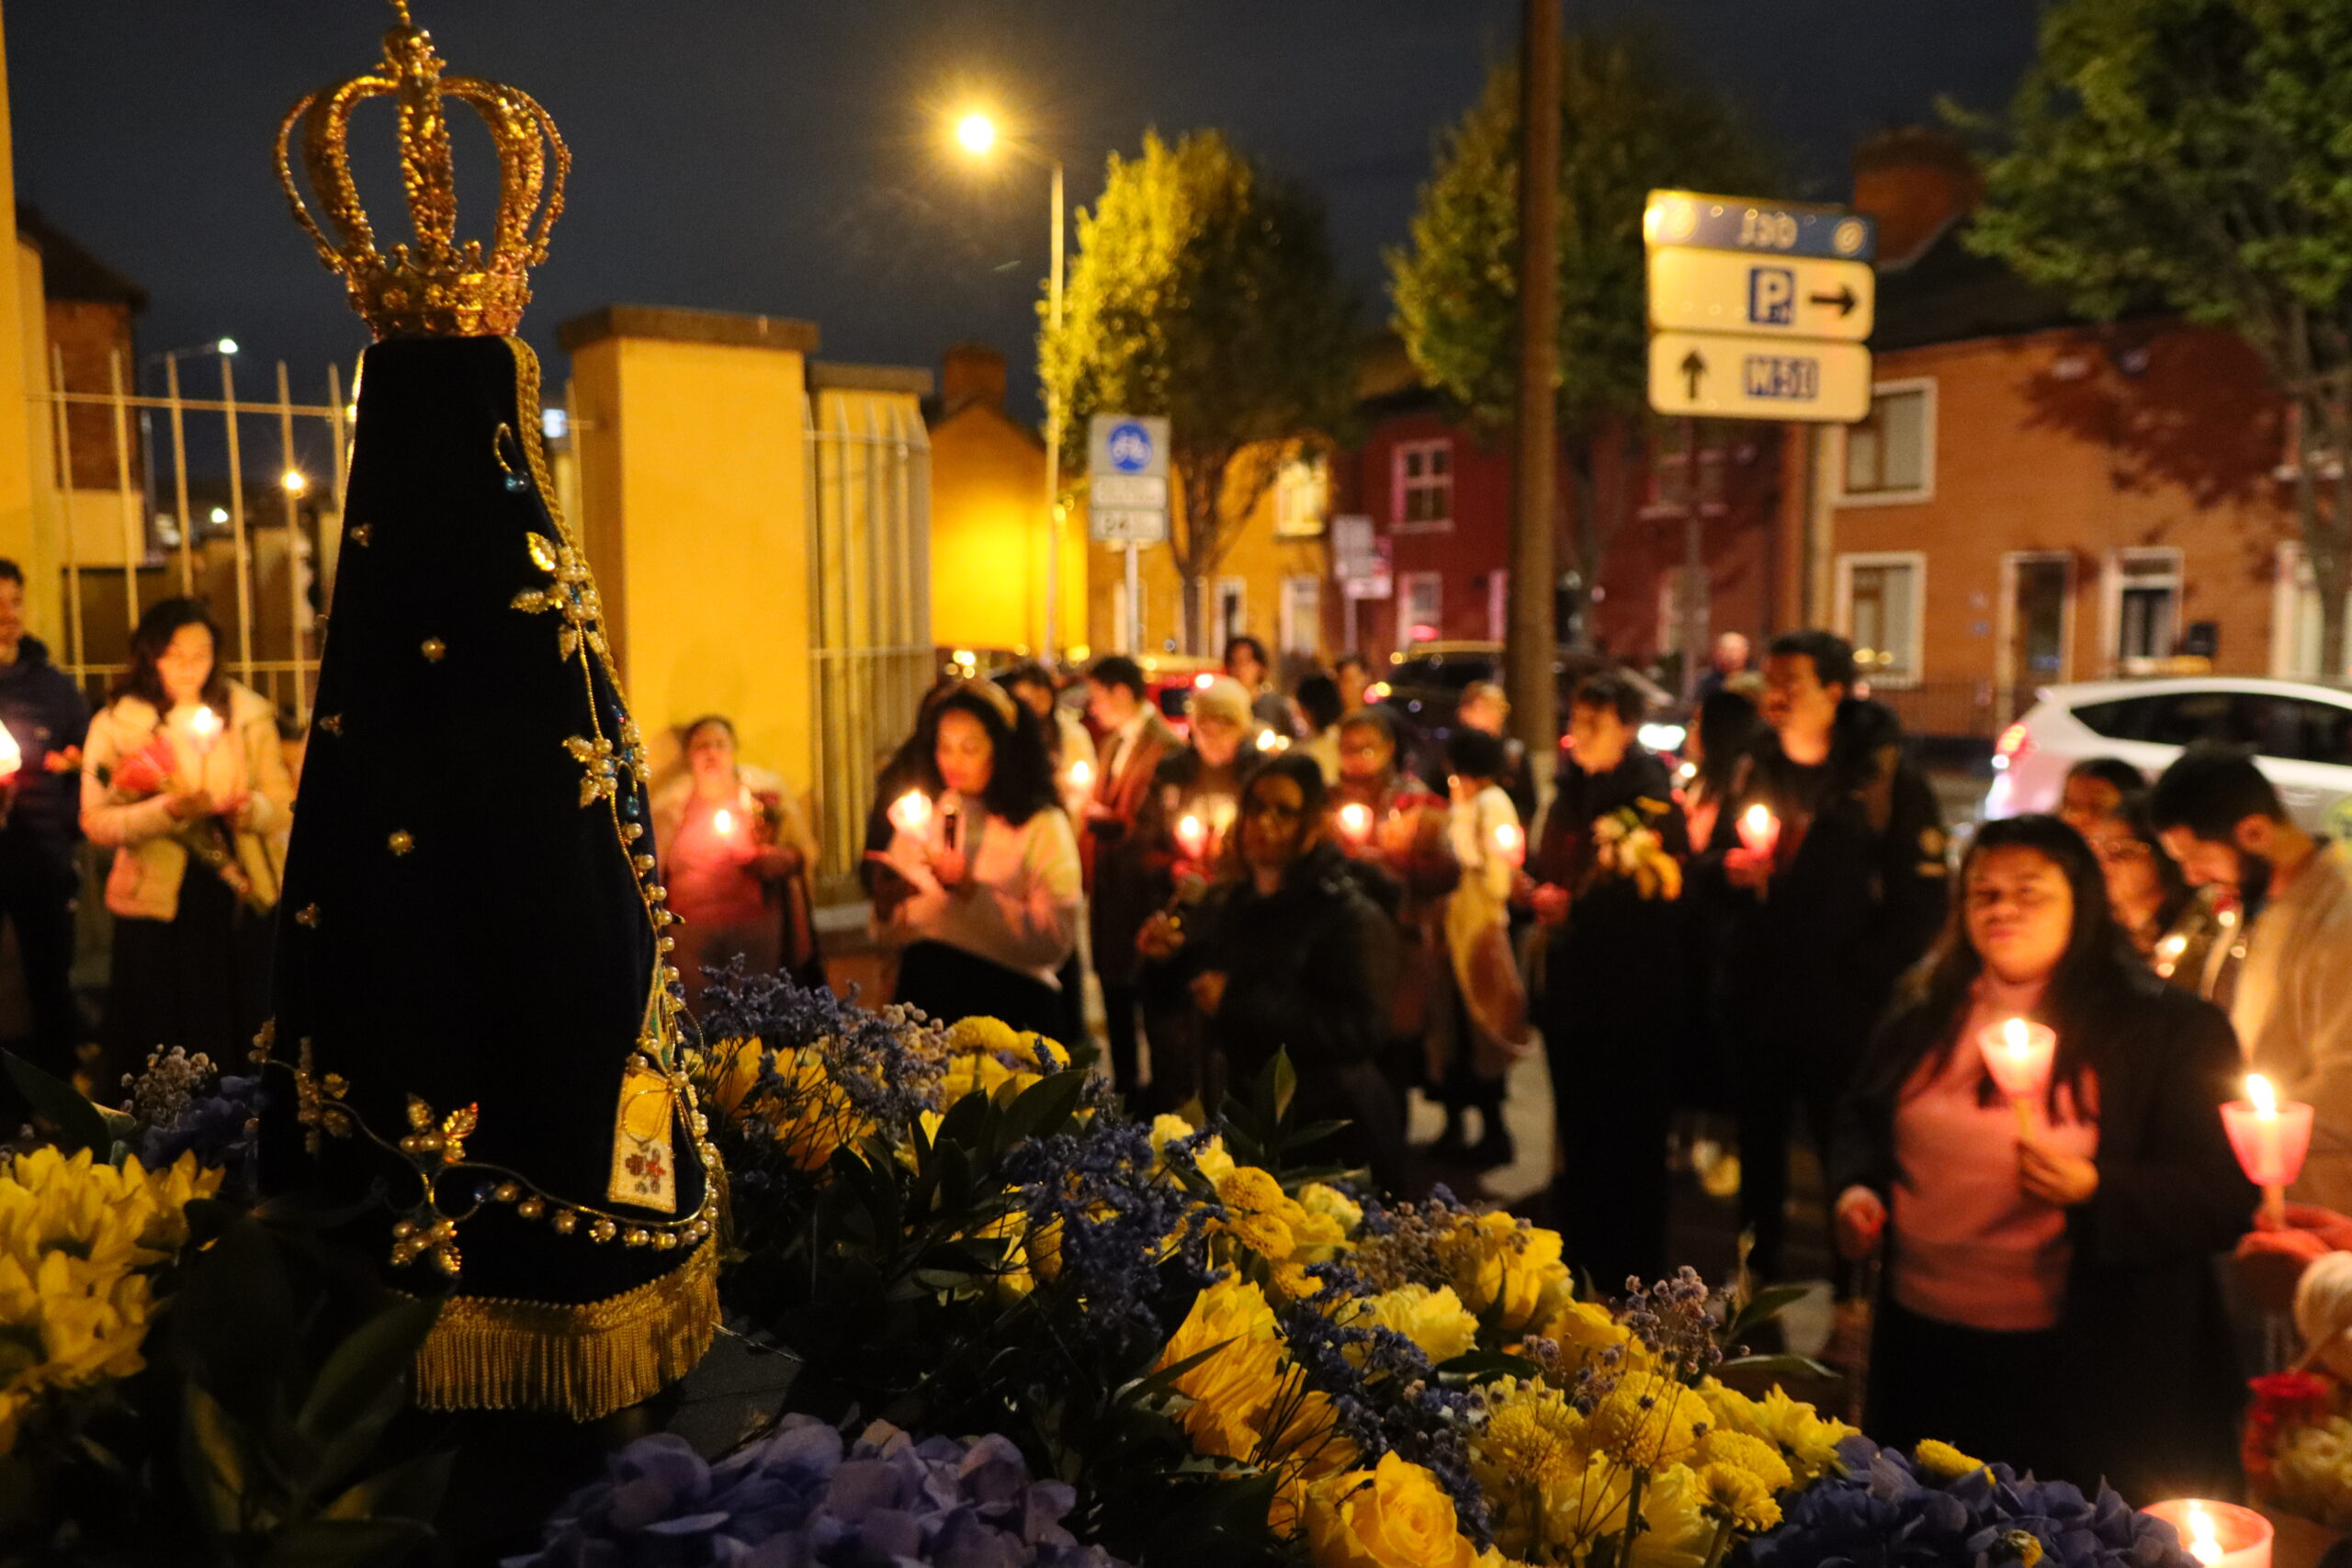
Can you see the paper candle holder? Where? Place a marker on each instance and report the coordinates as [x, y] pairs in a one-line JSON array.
[[2018, 1053], [2230, 1536], [2270, 1148]]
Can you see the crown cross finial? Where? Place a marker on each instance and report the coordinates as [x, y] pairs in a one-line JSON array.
[[435, 285]]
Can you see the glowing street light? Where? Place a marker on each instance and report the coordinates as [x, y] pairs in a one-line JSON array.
[[294, 481], [226, 346], [976, 133]]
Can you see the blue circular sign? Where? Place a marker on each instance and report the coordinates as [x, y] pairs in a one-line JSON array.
[[1129, 445]]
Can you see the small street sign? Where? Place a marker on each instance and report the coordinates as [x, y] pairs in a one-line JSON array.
[[1750, 375], [1127, 475], [1724, 291], [1758, 309]]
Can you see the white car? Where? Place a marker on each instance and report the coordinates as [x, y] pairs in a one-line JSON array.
[[2301, 735]]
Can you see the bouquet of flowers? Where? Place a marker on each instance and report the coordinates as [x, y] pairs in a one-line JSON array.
[[1626, 844], [2297, 1446]]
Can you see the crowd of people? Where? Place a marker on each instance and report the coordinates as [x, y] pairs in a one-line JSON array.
[[1770, 934], [1767, 939]]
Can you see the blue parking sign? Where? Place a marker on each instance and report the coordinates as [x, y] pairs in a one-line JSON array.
[[1772, 296]]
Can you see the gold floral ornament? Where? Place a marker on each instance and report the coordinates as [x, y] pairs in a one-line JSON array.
[[573, 593], [438, 286], [602, 780]]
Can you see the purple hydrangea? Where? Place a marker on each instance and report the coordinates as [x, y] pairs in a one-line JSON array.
[[1882, 1513], [801, 1498], [220, 1127]]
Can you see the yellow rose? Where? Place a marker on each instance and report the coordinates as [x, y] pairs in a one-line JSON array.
[[1649, 1425], [1505, 1267], [1302, 1444], [1394, 1516], [1316, 1238], [1233, 1388], [1322, 1197], [730, 1070], [1435, 1320], [1210, 1158]]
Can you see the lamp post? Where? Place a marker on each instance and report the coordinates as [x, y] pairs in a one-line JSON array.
[[977, 134], [224, 347]]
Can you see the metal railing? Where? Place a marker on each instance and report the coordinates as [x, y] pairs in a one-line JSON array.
[[1955, 709], [870, 569], [277, 658]]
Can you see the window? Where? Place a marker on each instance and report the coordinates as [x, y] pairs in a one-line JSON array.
[[2147, 585], [1302, 628], [1232, 601], [1302, 498], [2183, 718], [1890, 455], [1424, 486], [1423, 603], [2321, 732], [1880, 600]]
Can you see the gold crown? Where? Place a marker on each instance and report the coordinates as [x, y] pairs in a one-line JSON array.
[[436, 288]]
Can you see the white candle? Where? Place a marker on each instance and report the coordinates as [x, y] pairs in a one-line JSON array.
[[1192, 836], [1759, 830], [911, 813], [2018, 1054], [2270, 1141], [2219, 1535], [1355, 822], [204, 725], [1081, 776], [1509, 842], [722, 822]]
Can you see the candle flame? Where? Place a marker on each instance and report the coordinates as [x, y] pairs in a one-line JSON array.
[[1081, 776], [2173, 946], [723, 822], [2014, 1035], [1355, 818], [1507, 838], [205, 723], [1757, 819], [911, 813], [1192, 833], [2264, 1097], [2203, 1544]]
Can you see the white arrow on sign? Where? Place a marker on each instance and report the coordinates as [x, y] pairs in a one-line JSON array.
[[1722, 291], [1747, 376]]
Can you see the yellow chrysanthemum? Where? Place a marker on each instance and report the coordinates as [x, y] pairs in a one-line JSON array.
[[1751, 1454], [1735, 1495], [75, 1235], [1257, 1210], [1210, 1158], [1805, 1437], [810, 1112], [1505, 1267], [1231, 1390], [1944, 1461], [1649, 1425], [1435, 1320], [1676, 1530], [1322, 1197], [972, 1037], [1585, 1504]]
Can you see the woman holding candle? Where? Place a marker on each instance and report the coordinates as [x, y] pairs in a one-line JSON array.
[[2049, 1289], [735, 849], [182, 777], [992, 864]]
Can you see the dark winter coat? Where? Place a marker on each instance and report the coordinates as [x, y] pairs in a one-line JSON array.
[[45, 712], [1618, 961], [2152, 1389], [1858, 890]]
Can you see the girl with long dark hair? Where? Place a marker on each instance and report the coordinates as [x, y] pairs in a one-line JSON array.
[[2050, 1293], [990, 906], [184, 778]]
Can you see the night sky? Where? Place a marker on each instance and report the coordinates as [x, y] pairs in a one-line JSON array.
[[786, 157]]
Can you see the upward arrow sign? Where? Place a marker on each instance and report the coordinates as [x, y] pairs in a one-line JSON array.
[[1694, 370]]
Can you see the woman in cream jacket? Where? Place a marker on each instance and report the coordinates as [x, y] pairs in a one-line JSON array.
[[184, 779]]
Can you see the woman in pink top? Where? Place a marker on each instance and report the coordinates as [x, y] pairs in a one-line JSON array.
[[2050, 1296]]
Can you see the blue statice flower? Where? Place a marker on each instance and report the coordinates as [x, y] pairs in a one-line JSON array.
[[181, 1104], [1121, 1230], [800, 1497], [1882, 1512], [886, 1064], [1388, 1400]]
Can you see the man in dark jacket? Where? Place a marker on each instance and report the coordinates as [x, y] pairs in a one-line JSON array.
[[1824, 922], [47, 718], [1614, 983], [1291, 956], [1132, 743]]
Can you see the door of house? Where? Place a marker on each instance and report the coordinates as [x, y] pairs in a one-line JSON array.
[[2034, 653]]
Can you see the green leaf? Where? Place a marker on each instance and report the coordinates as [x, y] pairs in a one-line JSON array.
[[408, 1490], [373, 1359], [76, 1124], [1762, 1308], [233, 1318], [1043, 1106], [212, 1459], [1485, 1366], [1779, 1366]]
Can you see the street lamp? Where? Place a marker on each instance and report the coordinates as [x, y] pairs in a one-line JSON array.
[[294, 481], [978, 135]]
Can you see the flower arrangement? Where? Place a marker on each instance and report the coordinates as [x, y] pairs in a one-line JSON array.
[[1627, 845], [2297, 1446]]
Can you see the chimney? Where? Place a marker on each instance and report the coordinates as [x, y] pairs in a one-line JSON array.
[[1915, 182], [971, 373]]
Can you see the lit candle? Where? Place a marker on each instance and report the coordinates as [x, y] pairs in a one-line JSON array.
[[12, 755], [1193, 835], [204, 725], [1081, 776], [1759, 830], [1355, 822], [1510, 843], [2270, 1140], [911, 813], [2219, 1535], [722, 822], [2018, 1053]]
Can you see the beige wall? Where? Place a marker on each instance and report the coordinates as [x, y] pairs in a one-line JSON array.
[[988, 561], [19, 315], [692, 488]]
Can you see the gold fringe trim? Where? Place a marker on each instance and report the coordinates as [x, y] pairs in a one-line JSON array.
[[581, 1361]]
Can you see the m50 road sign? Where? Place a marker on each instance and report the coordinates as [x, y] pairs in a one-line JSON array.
[[1747, 376], [1724, 291]]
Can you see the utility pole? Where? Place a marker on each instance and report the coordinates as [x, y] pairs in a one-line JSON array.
[[1533, 573]]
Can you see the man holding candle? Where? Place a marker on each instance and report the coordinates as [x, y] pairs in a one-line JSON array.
[[1133, 741], [1818, 929], [2222, 820], [1614, 996], [46, 720]]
